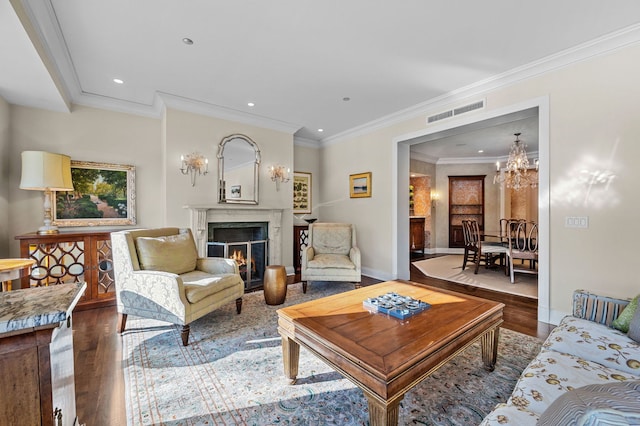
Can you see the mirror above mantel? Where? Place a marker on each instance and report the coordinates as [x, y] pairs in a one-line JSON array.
[[238, 170]]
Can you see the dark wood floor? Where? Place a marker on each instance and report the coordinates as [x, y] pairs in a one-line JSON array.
[[98, 349]]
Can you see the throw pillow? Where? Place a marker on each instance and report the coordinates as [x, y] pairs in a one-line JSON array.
[[174, 253], [591, 405], [623, 321], [634, 326]]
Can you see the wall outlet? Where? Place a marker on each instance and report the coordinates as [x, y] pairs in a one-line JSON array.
[[576, 221]]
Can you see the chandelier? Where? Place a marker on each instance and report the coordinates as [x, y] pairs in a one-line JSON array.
[[516, 175]]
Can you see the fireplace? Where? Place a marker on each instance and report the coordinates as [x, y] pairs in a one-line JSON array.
[[244, 242]]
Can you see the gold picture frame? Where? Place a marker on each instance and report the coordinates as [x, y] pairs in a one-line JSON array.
[[104, 195], [360, 185], [301, 192]]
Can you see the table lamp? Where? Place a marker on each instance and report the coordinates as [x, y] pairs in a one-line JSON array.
[[44, 171]]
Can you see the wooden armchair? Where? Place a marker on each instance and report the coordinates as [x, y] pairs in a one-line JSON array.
[[475, 250], [523, 246]]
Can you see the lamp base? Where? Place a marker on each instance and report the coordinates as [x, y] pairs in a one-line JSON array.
[[48, 230]]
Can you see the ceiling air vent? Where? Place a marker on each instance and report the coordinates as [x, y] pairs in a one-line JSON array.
[[456, 111]]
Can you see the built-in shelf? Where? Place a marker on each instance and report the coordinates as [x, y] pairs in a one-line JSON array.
[[466, 202]]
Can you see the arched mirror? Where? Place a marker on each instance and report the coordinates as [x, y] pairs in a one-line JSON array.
[[238, 170]]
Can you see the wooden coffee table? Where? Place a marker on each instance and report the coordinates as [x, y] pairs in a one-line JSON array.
[[382, 355]]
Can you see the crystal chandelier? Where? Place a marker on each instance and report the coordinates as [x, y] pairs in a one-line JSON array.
[[516, 174]]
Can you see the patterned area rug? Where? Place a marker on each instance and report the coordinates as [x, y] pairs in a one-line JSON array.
[[231, 374]]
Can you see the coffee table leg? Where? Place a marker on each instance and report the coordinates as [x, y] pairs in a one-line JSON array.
[[383, 414], [290, 356], [489, 346]]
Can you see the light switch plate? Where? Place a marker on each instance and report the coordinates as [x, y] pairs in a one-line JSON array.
[[576, 222]]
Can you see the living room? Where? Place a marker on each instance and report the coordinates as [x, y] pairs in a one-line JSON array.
[[587, 100]]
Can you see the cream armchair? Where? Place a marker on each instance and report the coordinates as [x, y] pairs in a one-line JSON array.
[[158, 275], [332, 254]]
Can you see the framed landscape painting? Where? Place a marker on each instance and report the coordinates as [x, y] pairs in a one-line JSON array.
[[301, 192], [360, 185], [103, 194]]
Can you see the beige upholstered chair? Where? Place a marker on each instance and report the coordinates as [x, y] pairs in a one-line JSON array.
[[158, 275], [332, 254]]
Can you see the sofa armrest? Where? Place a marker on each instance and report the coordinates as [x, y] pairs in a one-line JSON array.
[[308, 253], [597, 308], [217, 265], [354, 256]]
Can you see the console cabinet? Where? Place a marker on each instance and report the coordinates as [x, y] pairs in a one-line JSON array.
[[466, 202], [416, 234], [71, 257]]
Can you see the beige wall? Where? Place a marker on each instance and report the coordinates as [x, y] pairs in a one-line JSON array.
[[154, 147], [5, 120], [593, 125]]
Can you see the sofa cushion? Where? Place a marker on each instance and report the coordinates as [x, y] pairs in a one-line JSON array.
[[607, 404], [552, 373], [624, 319], [634, 327], [333, 261], [173, 253], [595, 342], [198, 284]]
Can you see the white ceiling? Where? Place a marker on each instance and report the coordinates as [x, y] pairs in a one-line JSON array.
[[295, 59]]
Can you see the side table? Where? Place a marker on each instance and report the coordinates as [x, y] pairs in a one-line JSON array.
[[10, 269], [275, 284]]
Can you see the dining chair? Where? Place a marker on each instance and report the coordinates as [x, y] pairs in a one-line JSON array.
[[475, 250], [523, 246]]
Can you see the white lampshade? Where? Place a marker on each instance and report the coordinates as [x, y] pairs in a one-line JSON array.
[[46, 171]]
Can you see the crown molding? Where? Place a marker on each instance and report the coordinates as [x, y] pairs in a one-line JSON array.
[[306, 142], [217, 111], [597, 47]]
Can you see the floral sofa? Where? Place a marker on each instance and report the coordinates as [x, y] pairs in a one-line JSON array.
[[583, 350]]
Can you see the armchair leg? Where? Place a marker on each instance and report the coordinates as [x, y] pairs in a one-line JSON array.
[[185, 334], [239, 305], [304, 286], [122, 322]]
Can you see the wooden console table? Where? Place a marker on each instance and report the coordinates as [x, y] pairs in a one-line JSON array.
[[36, 356], [72, 257]]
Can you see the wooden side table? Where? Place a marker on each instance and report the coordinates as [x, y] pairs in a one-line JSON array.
[[275, 284], [11, 269]]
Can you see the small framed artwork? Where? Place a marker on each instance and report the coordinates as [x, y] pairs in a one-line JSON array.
[[236, 191], [103, 195], [360, 185], [301, 192]]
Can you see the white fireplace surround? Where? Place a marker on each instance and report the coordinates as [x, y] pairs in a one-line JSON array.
[[202, 215]]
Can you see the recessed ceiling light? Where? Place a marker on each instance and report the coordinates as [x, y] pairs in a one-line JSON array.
[[346, 99], [187, 41], [117, 80], [321, 130], [251, 104], [480, 151]]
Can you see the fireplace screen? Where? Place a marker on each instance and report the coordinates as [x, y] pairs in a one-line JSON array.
[[246, 243]]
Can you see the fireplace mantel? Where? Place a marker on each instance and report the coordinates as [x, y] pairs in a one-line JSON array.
[[201, 215]]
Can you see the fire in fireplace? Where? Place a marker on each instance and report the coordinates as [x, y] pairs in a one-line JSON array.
[[246, 243]]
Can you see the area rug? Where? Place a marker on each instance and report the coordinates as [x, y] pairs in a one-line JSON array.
[[231, 374], [450, 268]]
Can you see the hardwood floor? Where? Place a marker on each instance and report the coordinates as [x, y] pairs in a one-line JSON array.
[[98, 349]]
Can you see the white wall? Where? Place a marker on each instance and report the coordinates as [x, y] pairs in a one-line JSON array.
[[593, 125], [4, 177]]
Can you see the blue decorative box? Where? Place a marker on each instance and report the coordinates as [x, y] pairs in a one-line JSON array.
[[395, 305]]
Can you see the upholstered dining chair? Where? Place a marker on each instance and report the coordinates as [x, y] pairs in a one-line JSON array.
[[523, 246], [475, 250], [331, 255], [158, 275]]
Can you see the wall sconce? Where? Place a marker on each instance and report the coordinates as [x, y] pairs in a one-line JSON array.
[[194, 164], [279, 174], [44, 171], [434, 199]]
